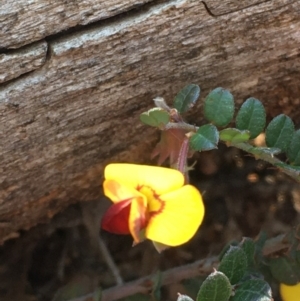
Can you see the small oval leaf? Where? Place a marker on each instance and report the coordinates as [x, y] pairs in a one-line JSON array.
[[234, 135], [251, 117], [216, 287], [186, 98], [253, 290], [248, 246], [234, 264], [293, 152], [279, 132], [285, 270], [219, 107], [206, 138], [156, 117]]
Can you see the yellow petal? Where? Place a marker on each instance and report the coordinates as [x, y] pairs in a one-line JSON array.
[[290, 292], [179, 218], [118, 192], [138, 218], [160, 179]]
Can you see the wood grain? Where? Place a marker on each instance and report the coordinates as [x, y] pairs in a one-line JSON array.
[[23, 22], [218, 8], [21, 61], [62, 123]]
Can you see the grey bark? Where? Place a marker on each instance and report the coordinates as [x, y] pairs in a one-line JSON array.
[[79, 109]]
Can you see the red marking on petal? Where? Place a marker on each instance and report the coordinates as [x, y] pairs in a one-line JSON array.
[[153, 195], [138, 219], [141, 222], [116, 218], [153, 192], [160, 210]]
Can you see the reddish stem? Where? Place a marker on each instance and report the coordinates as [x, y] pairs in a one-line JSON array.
[[182, 159]]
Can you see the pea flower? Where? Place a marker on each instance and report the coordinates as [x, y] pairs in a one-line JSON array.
[[151, 202], [290, 292]]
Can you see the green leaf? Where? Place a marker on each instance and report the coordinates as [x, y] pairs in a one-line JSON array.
[[279, 132], [271, 151], [234, 135], [216, 287], [285, 270], [206, 138], [252, 273], [253, 290], [227, 247], [184, 298], [248, 246], [234, 264], [251, 117], [186, 98], [219, 107], [293, 152], [156, 117]]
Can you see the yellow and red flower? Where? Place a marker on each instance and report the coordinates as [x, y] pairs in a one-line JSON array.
[[151, 202]]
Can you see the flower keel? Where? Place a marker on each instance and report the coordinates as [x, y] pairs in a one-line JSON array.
[[116, 217]]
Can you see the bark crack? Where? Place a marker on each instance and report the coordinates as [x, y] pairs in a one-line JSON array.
[[208, 10], [211, 13]]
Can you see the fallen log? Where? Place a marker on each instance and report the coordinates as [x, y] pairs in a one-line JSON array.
[[61, 122]]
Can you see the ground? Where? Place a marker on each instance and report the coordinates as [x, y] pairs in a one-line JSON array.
[[242, 196]]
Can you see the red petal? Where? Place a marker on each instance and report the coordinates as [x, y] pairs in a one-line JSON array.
[[116, 218]]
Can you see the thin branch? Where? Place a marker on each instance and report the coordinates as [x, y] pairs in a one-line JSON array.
[[160, 103], [268, 158], [110, 262], [175, 275], [180, 125], [144, 285], [293, 173], [201, 267]]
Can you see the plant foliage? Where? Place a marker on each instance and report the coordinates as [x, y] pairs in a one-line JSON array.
[[250, 121], [243, 267]]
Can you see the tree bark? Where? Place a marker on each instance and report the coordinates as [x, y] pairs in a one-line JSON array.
[[75, 105]]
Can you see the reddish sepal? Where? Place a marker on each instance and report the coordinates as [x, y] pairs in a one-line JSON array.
[[169, 145], [116, 218]]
